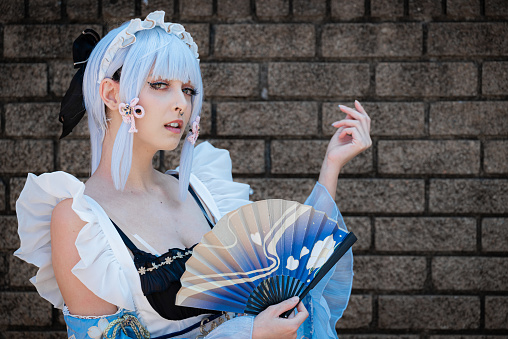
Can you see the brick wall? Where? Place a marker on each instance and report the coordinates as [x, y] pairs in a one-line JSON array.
[[428, 201]]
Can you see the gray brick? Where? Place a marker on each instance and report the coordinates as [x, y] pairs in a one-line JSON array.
[[75, 156], [495, 153], [429, 157], [30, 41], [20, 272], [326, 80], [496, 8], [469, 118], [16, 185], [306, 156], [167, 6], [271, 9], [82, 9], [380, 195], [196, 9], [470, 273], [371, 40], [267, 118], [12, 10], [9, 239], [44, 10], [36, 335], [309, 9], [463, 9], [121, 10], [2, 196], [358, 313], [483, 39], [426, 79], [495, 235], [387, 8], [264, 41], [347, 9], [468, 196], [429, 312], [14, 83], [495, 78], [26, 156], [290, 189], [425, 234], [24, 308], [425, 9], [399, 273], [32, 119], [466, 337], [388, 118], [60, 76], [360, 226], [201, 36], [496, 312], [247, 156], [224, 79], [233, 9], [206, 119]]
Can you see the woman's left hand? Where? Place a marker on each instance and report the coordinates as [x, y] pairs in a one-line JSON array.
[[351, 138]]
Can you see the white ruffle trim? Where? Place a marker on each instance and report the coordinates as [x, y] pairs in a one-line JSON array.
[[127, 37], [98, 269], [212, 166]]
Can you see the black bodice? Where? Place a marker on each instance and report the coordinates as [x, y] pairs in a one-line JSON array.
[[160, 276]]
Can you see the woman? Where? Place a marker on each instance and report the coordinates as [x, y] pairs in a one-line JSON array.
[[142, 87]]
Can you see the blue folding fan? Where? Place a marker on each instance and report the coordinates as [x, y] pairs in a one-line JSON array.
[[261, 254]]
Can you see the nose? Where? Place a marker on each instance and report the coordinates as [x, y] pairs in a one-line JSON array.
[[179, 101]]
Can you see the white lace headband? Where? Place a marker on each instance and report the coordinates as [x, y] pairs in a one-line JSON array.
[[127, 37]]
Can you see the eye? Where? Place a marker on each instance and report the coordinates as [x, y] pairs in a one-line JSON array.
[[189, 91], [158, 85]]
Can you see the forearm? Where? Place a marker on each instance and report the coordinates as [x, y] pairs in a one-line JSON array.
[[328, 177]]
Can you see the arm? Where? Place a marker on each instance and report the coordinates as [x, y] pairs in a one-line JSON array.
[[65, 227], [351, 138]]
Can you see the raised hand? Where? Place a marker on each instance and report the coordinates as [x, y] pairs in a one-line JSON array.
[[351, 138]]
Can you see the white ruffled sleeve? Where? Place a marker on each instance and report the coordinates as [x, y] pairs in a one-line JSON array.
[[98, 269], [212, 167]]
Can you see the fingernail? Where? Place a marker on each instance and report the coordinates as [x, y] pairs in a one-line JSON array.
[[295, 298]]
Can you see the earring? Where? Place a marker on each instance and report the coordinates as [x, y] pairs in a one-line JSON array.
[[194, 132], [129, 112], [181, 113]]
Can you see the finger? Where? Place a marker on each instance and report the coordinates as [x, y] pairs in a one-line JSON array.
[[352, 123], [278, 309], [360, 108], [363, 118], [301, 315], [347, 122], [353, 132]]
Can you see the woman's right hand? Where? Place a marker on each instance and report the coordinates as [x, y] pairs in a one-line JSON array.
[[267, 324]]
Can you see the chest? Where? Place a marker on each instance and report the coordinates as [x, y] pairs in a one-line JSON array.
[[158, 222]]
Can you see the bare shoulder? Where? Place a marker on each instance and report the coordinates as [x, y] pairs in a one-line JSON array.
[[65, 227]]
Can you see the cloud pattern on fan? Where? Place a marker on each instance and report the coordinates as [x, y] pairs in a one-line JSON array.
[[255, 242]]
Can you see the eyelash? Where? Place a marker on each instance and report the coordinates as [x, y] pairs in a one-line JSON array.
[[187, 90]]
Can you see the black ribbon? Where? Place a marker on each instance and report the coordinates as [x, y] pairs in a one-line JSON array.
[[73, 107]]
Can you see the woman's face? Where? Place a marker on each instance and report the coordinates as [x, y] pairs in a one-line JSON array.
[[167, 105]]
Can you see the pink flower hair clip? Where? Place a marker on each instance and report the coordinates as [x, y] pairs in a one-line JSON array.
[[194, 133], [129, 112]]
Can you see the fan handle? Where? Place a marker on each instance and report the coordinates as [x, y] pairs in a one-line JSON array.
[[342, 248]]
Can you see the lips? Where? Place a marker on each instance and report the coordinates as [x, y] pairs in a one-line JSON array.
[[174, 126]]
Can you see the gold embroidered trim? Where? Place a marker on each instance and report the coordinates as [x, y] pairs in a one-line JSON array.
[[168, 261]]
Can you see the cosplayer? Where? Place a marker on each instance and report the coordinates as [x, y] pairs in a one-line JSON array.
[[142, 90]]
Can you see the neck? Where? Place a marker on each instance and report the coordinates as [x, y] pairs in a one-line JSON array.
[[142, 175]]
